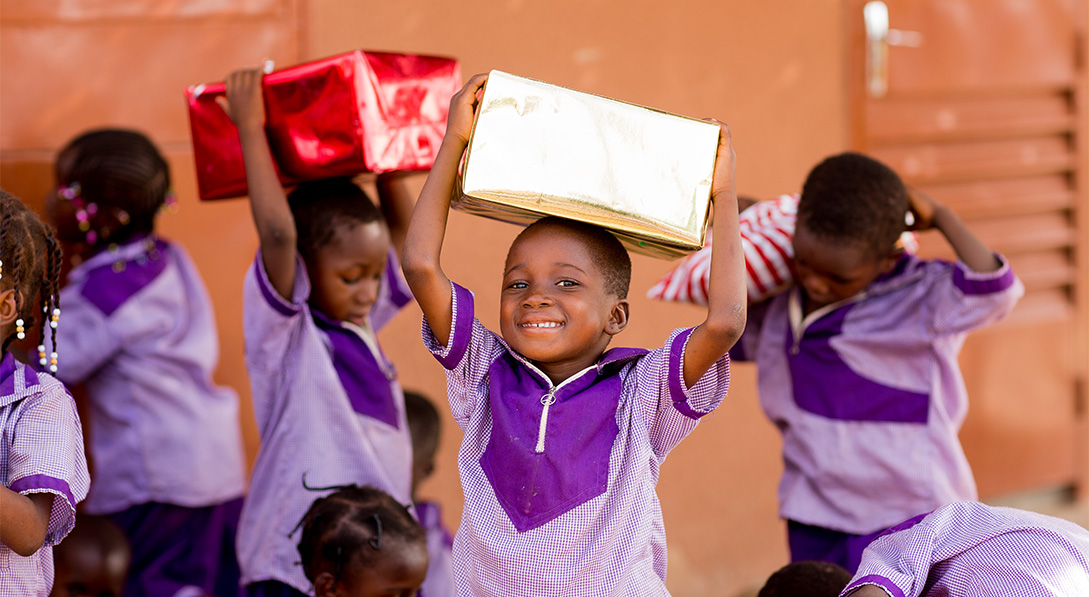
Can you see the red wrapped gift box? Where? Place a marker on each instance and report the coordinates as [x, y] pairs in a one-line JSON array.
[[339, 116]]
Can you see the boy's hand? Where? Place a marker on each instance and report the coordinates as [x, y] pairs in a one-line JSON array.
[[725, 167], [459, 123], [245, 101], [923, 208]]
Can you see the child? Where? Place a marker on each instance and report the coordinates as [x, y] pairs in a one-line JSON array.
[[968, 548], [424, 425], [141, 337], [327, 401], [93, 560], [857, 363], [563, 440], [360, 542], [43, 472], [806, 579]]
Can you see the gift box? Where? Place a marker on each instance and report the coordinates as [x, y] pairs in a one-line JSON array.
[[339, 116], [538, 149]]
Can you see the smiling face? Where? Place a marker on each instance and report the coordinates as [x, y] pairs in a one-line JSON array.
[[347, 272], [555, 309], [829, 272]]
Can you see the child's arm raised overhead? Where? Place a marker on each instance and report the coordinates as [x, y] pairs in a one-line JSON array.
[[929, 213], [726, 295], [397, 200], [423, 244], [245, 105]]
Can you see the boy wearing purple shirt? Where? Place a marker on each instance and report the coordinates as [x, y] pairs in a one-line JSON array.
[[968, 548], [563, 439], [857, 364]]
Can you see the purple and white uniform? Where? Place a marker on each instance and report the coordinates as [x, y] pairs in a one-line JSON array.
[[328, 406], [970, 549], [138, 329], [560, 499], [41, 451], [868, 394], [440, 567]]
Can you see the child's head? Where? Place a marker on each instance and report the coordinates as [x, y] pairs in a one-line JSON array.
[[30, 259], [565, 287], [112, 184], [93, 559], [345, 244], [850, 216], [424, 426], [359, 542], [806, 579]]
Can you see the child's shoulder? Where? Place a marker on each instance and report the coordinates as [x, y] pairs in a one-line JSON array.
[[111, 278]]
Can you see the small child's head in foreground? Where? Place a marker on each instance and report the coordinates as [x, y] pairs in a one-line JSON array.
[[112, 183], [565, 288], [93, 560], [806, 579], [424, 426], [851, 213], [30, 263], [359, 542], [344, 242]]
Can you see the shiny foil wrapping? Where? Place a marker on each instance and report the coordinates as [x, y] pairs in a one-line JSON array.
[[338, 116], [538, 149]]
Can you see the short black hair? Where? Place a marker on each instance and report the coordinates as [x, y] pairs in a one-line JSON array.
[[30, 262], [612, 259], [806, 579], [118, 168], [353, 524], [319, 206], [854, 199], [423, 422]]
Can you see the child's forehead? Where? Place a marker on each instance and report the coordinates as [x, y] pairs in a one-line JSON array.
[[554, 240]]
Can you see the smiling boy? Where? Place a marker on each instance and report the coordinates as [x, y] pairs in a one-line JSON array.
[[564, 438]]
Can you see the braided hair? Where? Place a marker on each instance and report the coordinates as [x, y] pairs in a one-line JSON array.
[[353, 525], [30, 259], [119, 169]]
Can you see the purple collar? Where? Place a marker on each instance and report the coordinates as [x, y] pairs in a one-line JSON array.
[[8, 367], [543, 461], [367, 379]]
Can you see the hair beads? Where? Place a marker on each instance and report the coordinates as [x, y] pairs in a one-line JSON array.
[[20, 330]]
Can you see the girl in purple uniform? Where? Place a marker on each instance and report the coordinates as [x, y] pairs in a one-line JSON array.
[[141, 337], [327, 401], [43, 473]]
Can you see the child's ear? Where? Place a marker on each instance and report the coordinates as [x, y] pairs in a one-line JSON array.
[[325, 585], [8, 311], [618, 317]]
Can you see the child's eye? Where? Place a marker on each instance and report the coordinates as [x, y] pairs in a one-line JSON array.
[[350, 279], [568, 283], [517, 285]]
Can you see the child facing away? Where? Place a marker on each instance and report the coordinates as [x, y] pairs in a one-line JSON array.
[[425, 427], [327, 401], [857, 363], [166, 446], [43, 471], [93, 560], [563, 439], [360, 542]]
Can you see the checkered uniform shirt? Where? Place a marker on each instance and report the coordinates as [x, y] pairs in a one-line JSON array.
[[41, 451], [610, 539]]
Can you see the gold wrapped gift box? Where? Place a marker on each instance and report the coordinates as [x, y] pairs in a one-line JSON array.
[[538, 149]]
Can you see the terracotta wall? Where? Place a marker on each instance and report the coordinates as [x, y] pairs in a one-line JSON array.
[[774, 70]]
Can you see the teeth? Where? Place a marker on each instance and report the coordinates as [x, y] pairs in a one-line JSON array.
[[545, 324]]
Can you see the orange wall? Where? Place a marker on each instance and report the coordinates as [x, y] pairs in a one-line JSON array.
[[774, 70]]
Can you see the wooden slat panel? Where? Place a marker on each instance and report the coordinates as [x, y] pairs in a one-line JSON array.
[[1006, 197], [970, 117], [1045, 270], [977, 160], [1009, 236]]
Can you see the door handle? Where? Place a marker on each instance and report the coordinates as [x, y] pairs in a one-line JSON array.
[[878, 39]]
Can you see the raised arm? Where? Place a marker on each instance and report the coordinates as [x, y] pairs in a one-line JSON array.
[[929, 213], [726, 293], [423, 243], [397, 199], [24, 520], [245, 105]]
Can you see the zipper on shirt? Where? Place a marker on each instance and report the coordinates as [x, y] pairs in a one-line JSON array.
[[798, 323], [549, 399]]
